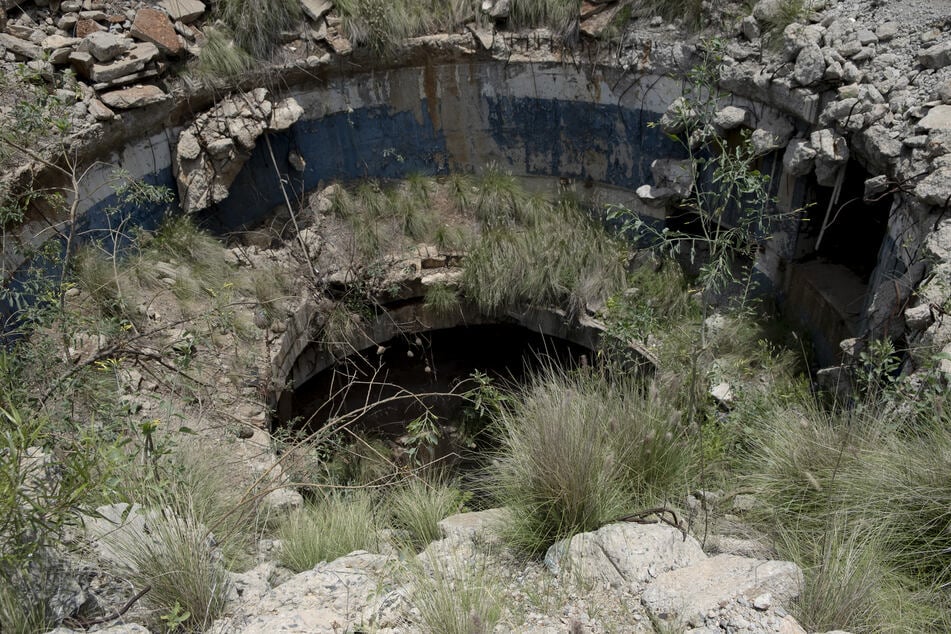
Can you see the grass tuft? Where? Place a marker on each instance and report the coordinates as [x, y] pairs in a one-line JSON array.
[[456, 597], [561, 259], [335, 526], [179, 562], [417, 507], [442, 299], [221, 58], [577, 452], [257, 24]]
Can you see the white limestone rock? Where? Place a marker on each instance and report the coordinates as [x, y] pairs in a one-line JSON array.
[[341, 595], [624, 554], [799, 158], [937, 56], [186, 11], [732, 117], [687, 596], [810, 65]]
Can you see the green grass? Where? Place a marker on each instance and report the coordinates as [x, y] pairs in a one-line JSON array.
[[381, 25], [179, 563], [221, 58], [455, 597], [562, 258], [257, 24], [330, 528], [417, 506], [577, 452], [860, 499], [442, 299]]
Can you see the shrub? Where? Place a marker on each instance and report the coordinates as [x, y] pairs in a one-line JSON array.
[[417, 507], [335, 526]]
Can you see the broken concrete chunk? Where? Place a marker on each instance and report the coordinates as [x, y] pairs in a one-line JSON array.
[[497, 9], [135, 61], [799, 158], [918, 317], [935, 189], [937, 56], [21, 48], [723, 394], [285, 114], [797, 36], [135, 97], [938, 118], [765, 141], [188, 148], [186, 11], [316, 9], [105, 46], [674, 119], [54, 42], [485, 37], [653, 196], [675, 175], [731, 117], [886, 31], [152, 25], [100, 111], [82, 62], [875, 186], [810, 65], [85, 27]]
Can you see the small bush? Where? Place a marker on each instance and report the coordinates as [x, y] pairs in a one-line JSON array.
[[333, 527], [417, 507]]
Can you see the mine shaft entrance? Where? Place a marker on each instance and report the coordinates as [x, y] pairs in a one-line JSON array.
[[380, 391], [836, 255]]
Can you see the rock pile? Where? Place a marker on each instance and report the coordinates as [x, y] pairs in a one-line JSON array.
[[211, 151]]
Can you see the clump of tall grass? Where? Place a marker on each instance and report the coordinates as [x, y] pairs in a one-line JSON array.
[[417, 506], [329, 528], [442, 299], [861, 501], [455, 597], [257, 24], [178, 560], [377, 213], [561, 258], [221, 58], [381, 25], [577, 451]]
